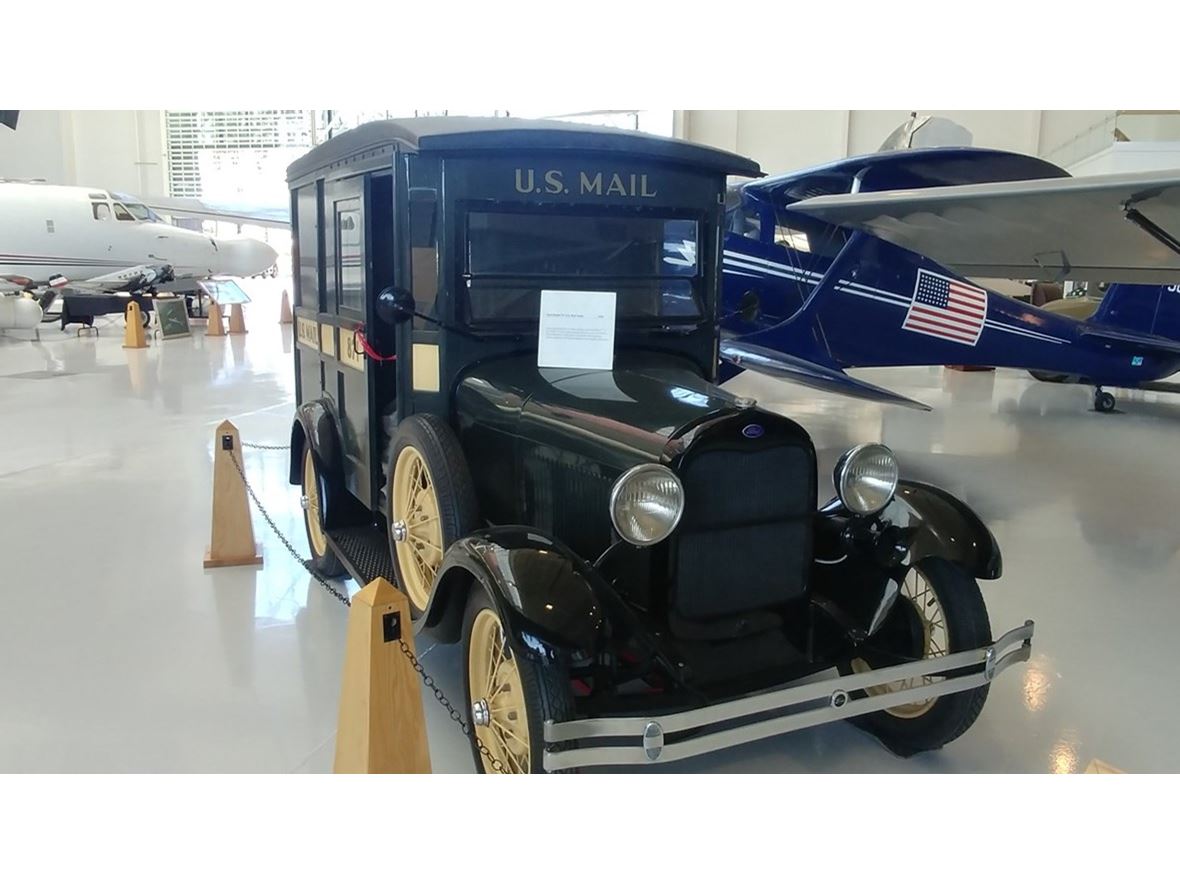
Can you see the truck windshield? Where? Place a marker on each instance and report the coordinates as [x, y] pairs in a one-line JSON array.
[[650, 262]]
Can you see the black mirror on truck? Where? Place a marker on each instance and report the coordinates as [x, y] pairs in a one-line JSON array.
[[395, 305]]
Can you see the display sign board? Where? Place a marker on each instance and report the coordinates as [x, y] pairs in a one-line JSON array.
[[172, 317], [224, 291], [577, 330]]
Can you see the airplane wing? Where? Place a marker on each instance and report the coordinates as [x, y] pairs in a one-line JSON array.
[[188, 207], [1117, 228], [14, 281], [130, 279], [765, 361]]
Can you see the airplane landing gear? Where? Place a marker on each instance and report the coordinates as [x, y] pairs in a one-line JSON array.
[[1103, 401]]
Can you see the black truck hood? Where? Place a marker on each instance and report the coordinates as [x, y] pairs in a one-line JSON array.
[[632, 413]]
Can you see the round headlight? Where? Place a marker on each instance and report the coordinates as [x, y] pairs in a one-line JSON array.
[[866, 478], [646, 503]]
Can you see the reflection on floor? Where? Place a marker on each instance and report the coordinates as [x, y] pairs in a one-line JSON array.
[[122, 654]]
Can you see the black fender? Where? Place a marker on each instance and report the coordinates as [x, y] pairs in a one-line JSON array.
[[944, 526], [316, 425], [548, 597]]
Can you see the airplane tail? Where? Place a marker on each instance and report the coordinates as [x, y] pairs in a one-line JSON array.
[[1150, 310]]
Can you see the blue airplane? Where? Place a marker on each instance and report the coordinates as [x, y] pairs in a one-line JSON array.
[[883, 261]]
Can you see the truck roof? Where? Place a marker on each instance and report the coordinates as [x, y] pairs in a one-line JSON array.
[[421, 134]]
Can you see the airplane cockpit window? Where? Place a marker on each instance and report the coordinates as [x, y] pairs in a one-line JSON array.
[[138, 211], [102, 212], [121, 213], [795, 231], [746, 221], [791, 239]]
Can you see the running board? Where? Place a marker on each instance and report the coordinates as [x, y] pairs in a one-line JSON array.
[[642, 740], [364, 551]]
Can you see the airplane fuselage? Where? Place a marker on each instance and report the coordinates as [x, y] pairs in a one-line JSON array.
[[873, 316], [48, 231]]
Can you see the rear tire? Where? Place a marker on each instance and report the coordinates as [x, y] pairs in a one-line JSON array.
[[323, 559], [945, 603], [520, 693]]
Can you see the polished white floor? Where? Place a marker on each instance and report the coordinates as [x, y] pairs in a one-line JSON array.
[[118, 652]]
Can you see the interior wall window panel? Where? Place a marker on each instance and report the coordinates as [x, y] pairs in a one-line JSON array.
[[309, 247], [211, 152]]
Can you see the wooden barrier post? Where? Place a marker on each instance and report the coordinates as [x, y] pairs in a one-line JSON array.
[[215, 328], [1097, 766], [237, 323], [285, 318], [133, 336], [231, 540], [381, 728]]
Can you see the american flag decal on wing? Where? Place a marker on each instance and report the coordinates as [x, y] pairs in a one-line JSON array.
[[947, 309]]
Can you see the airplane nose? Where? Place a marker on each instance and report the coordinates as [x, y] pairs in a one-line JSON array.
[[246, 257]]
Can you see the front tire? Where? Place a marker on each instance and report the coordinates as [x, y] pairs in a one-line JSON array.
[[516, 695], [430, 502], [940, 611]]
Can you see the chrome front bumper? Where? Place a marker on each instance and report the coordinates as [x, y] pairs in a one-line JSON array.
[[642, 740]]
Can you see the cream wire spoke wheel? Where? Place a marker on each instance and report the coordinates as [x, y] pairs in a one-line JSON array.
[[416, 507], [492, 669], [918, 592], [311, 490]]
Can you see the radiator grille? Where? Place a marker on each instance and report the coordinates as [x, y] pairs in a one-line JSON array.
[[568, 499], [744, 542]]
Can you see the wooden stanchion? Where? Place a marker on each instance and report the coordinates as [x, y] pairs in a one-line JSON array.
[[381, 728], [215, 328], [1097, 766], [133, 335], [231, 540], [237, 323], [285, 317]]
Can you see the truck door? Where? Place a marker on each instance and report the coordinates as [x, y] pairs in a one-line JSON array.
[[346, 380]]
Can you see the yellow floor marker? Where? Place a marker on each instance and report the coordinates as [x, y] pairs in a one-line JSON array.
[[216, 328], [133, 335], [381, 728], [231, 540], [237, 323]]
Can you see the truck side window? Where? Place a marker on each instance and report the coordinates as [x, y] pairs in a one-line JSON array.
[[424, 250], [350, 273]]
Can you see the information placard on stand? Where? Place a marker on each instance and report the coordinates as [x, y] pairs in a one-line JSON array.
[[172, 317], [224, 292]]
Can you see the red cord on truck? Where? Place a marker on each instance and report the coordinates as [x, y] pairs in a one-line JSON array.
[[359, 336]]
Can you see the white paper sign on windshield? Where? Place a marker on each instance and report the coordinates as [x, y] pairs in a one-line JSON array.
[[577, 330]]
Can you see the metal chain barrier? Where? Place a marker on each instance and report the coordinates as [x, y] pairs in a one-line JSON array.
[[281, 448], [427, 680]]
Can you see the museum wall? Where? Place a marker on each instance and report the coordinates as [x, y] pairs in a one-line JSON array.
[[117, 150], [786, 140], [38, 148]]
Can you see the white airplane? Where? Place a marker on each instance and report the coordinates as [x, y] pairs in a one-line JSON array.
[[96, 241]]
